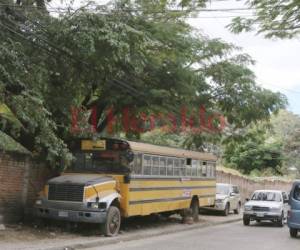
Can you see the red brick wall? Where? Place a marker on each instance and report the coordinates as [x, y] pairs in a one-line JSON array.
[[21, 179]]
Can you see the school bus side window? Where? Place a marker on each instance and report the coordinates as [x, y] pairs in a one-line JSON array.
[[199, 168], [155, 165], [213, 170], [182, 167], [208, 170], [170, 167], [194, 168], [188, 166], [176, 167], [147, 165], [137, 164], [162, 166], [204, 169]]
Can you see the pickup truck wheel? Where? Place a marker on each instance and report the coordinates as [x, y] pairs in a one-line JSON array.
[[113, 222], [280, 221], [246, 221], [293, 232], [226, 210], [238, 209]]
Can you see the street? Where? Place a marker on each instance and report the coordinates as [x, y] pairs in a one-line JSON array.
[[232, 236]]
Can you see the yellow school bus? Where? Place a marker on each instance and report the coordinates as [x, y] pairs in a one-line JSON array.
[[112, 179]]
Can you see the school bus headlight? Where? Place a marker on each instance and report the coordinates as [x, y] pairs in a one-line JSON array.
[[99, 205], [93, 204], [38, 202]]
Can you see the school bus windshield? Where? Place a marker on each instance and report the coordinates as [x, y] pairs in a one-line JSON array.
[[105, 161]]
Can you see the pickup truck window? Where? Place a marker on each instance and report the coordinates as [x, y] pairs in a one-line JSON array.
[[235, 189], [222, 189], [266, 196]]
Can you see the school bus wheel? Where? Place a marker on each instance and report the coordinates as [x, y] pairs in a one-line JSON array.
[[113, 222], [195, 209]]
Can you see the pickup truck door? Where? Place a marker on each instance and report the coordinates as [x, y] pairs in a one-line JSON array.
[[285, 204], [232, 199]]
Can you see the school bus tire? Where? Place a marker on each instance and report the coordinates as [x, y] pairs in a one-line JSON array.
[[195, 209], [113, 222]]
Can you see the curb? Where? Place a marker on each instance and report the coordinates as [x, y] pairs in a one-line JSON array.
[[140, 235]]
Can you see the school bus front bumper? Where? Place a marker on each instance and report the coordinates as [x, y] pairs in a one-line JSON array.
[[71, 215]]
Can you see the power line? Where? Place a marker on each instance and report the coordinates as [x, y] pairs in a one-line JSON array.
[[104, 8], [279, 87]]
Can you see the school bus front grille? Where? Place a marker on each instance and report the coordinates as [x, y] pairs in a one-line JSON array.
[[66, 192]]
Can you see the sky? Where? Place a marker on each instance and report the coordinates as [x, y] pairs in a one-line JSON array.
[[277, 64]]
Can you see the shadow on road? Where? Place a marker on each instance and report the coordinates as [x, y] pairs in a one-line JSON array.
[[128, 225]]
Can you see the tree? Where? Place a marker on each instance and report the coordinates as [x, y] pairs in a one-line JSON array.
[[117, 57], [273, 18], [252, 153], [286, 129]]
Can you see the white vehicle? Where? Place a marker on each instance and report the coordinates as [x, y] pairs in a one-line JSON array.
[[227, 199], [270, 205]]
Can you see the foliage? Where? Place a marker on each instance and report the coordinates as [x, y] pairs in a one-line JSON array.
[[10, 145], [151, 62], [273, 18], [251, 152], [286, 129]]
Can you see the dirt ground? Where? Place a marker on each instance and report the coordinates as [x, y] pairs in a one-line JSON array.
[[52, 236]]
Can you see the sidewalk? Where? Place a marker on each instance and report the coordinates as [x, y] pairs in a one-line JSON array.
[[23, 237]]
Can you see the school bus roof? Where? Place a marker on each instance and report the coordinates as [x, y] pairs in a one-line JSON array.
[[169, 151]]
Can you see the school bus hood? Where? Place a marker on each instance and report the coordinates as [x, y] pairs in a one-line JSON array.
[[81, 179]]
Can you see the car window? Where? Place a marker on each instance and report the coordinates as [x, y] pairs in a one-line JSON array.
[[235, 189], [223, 189], [266, 196], [296, 194]]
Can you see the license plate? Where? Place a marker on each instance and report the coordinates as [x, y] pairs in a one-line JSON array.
[[62, 214], [260, 214]]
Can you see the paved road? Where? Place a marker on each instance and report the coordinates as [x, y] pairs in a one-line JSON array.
[[232, 236]]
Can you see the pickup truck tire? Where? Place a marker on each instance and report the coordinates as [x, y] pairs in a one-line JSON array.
[[280, 221], [113, 222], [246, 221], [293, 232], [226, 210], [238, 209]]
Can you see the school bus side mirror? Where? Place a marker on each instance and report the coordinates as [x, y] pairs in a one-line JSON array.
[[127, 178]]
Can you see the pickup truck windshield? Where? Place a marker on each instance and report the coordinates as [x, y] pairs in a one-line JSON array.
[[222, 189], [266, 196]]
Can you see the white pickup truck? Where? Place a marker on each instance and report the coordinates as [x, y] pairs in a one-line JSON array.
[[227, 199]]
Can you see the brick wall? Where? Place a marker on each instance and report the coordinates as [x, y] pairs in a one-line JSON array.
[[21, 179]]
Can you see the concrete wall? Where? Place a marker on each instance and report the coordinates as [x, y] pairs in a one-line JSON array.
[[247, 186]]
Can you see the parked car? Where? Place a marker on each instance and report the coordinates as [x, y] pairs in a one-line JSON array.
[[266, 205], [293, 219], [227, 199]]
